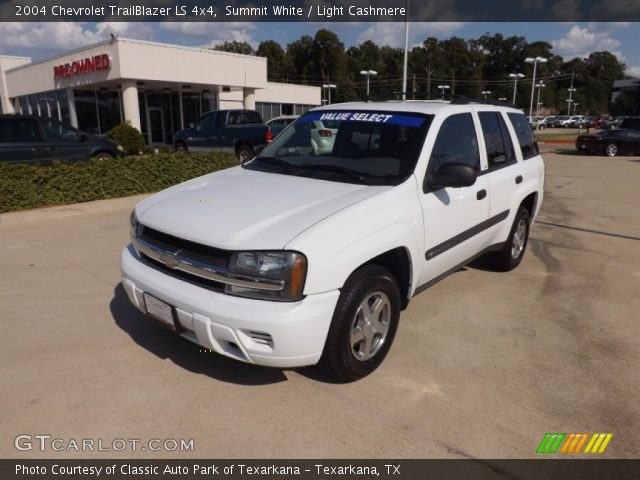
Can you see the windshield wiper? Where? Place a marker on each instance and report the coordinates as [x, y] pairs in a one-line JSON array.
[[336, 169], [285, 166]]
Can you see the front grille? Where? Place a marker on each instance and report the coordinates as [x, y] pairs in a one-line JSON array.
[[199, 281], [197, 251]]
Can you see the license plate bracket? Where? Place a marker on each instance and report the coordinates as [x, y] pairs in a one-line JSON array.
[[161, 312]]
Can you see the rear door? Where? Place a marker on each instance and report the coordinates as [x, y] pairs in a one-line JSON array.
[[502, 172], [64, 142], [455, 219]]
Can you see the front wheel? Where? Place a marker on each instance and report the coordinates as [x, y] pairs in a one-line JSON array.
[[181, 147], [510, 256], [611, 150], [102, 156], [364, 324]]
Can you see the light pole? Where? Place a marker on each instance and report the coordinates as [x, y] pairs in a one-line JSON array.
[[515, 77], [406, 55], [540, 85], [535, 62], [368, 73], [442, 89], [329, 87], [486, 92], [575, 108], [570, 100]]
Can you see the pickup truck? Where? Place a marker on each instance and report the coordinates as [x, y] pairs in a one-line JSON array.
[[241, 132], [303, 256]]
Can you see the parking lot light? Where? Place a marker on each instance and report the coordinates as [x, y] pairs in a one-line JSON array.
[[442, 89], [515, 77], [535, 62], [368, 73]]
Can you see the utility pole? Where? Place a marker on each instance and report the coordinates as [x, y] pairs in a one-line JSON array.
[[429, 71]]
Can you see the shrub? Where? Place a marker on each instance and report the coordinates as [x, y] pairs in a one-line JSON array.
[[129, 137], [24, 186]]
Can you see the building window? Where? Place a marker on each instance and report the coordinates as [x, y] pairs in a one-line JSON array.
[[63, 103], [86, 111], [191, 108], [108, 110]]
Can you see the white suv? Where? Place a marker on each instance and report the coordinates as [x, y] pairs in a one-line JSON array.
[[296, 257]]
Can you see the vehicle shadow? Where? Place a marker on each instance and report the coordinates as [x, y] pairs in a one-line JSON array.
[[167, 345]]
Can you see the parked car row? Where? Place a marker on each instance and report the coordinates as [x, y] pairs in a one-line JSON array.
[[579, 121]]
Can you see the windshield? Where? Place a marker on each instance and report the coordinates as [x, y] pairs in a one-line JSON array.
[[368, 147]]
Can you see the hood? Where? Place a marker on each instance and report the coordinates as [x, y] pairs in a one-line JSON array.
[[244, 209]]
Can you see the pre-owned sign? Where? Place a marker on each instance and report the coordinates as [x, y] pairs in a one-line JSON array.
[[81, 67]]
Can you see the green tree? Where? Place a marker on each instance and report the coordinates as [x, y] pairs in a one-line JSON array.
[[278, 65], [235, 47]]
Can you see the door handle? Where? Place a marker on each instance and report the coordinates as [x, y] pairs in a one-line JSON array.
[[481, 194], [519, 179]]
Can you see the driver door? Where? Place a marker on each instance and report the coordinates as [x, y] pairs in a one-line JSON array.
[[64, 142], [454, 218]]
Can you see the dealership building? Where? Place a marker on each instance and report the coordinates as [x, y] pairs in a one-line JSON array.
[[159, 88]]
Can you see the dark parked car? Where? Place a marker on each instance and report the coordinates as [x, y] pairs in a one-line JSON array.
[[236, 131], [29, 138], [610, 142], [631, 122]]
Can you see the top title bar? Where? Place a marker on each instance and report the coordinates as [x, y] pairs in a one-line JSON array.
[[319, 11]]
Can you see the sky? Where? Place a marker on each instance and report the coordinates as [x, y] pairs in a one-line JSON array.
[[570, 40]]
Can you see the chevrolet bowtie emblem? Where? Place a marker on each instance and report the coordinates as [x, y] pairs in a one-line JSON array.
[[169, 259]]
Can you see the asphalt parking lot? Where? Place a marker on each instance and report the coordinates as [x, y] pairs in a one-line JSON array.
[[484, 363]]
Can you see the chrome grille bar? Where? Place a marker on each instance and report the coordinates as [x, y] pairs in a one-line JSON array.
[[172, 259]]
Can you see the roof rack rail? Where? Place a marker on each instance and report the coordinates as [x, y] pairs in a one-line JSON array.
[[462, 100]]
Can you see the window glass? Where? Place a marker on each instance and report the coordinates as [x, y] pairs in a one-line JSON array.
[[5, 130], [63, 103], [456, 143], [524, 133], [54, 130], [86, 111], [253, 117], [108, 110], [19, 130], [206, 122], [366, 147], [496, 138]]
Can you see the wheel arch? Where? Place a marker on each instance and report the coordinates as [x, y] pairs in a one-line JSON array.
[[398, 262]]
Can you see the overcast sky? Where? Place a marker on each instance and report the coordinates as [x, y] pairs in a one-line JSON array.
[[39, 40]]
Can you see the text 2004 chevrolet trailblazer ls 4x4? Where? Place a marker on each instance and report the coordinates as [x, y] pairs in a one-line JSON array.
[[309, 252]]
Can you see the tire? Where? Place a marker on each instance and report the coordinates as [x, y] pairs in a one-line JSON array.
[[611, 150], [245, 153], [359, 339], [102, 156], [541, 127], [510, 256], [181, 147]]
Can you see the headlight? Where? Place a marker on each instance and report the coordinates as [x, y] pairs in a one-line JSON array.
[[288, 267], [133, 222], [119, 148]]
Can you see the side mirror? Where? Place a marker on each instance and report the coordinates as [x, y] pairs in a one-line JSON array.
[[453, 175], [82, 137], [192, 125]]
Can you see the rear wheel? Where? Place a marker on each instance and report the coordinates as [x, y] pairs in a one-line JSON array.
[[611, 150], [510, 256], [245, 153], [364, 324]]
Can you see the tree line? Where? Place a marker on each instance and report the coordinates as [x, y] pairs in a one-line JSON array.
[[468, 67]]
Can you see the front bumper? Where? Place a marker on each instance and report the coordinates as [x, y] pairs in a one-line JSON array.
[[275, 334]]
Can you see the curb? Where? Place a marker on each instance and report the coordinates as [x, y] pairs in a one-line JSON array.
[[65, 211]]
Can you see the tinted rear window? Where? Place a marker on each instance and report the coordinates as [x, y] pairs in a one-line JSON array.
[[527, 141], [19, 130]]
